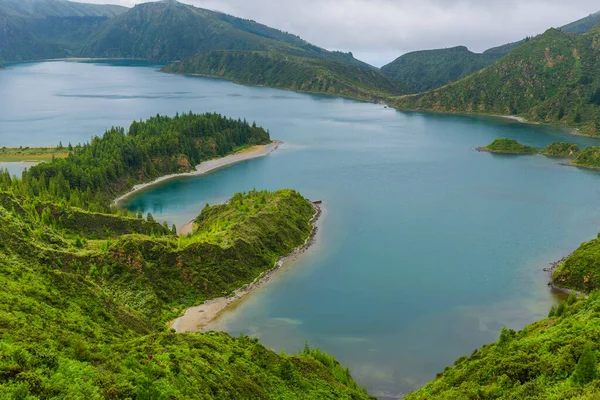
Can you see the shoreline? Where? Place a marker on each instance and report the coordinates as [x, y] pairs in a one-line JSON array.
[[204, 168], [195, 319], [558, 289]]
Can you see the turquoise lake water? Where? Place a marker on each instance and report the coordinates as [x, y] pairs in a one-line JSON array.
[[426, 247]]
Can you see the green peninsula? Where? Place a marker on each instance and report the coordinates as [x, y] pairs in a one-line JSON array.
[[87, 294], [581, 270], [300, 74]]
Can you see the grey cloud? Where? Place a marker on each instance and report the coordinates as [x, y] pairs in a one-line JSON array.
[[378, 31]]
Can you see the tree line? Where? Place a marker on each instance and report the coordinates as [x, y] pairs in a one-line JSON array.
[[95, 173]]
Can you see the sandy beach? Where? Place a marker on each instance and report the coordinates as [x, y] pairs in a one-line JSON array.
[[197, 318], [208, 166]]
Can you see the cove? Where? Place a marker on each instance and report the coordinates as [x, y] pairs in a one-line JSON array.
[[426, 247]]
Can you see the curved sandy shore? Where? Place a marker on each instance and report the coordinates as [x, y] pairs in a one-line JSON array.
[[197, 318], [207, 166]]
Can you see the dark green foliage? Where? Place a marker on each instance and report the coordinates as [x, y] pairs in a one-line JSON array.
[[508, 146], [552, 78], [586, 370], [290, 72], [88, 320], [421, 71], [561, 149], [551, 359], [97, 172], [581, 270], [588, 158]]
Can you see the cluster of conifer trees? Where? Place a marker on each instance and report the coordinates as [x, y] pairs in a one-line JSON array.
[[95, 173]]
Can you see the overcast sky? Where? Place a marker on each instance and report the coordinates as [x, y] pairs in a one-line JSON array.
[[378, 31]]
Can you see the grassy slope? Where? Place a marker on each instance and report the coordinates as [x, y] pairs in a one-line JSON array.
[[539, 362], [425, 70], [549, 79], [73, 328], [290, 72], [31, 153]]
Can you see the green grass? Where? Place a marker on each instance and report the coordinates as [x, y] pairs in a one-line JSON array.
[[9, 154]]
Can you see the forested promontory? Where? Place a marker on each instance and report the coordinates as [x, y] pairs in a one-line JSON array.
[[301, 74], [85, 299], [94, 173]]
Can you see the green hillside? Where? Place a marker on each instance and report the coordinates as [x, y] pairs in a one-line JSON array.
[[555, 358], [169, 31], [583, 25], [580, 270], [291, 72], [421, 71], [58, 8], [85, 318], [160, 31], [426, 70], [552, 78]]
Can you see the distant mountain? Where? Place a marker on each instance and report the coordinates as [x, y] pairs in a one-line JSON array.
[[41, 29], [583, 25], [58, 8], [421, 71], [553, 78], [296, 73], [160, 31], [430, 69], [169, 31]]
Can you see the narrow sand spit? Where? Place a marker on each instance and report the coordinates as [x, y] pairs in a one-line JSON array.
[[208, 166], [197, 318]]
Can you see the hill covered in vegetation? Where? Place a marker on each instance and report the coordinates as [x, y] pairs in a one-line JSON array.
[[83, 313], [555, 358], [424, 70], [290, 72], [160, 31], [550, 79]]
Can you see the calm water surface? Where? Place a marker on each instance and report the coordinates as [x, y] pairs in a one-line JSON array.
[[426, 248]]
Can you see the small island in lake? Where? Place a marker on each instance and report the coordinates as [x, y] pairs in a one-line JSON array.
[[508, 146], [556, 149]]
